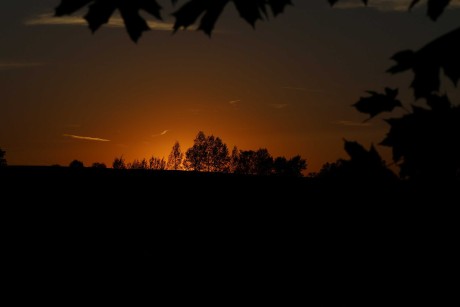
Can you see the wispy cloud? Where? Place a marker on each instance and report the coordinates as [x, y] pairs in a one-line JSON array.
[[279, 105], [18, 65], [234, 102], [385, 5], [161, 134], [115, 22], [86, 138], [351, 123]]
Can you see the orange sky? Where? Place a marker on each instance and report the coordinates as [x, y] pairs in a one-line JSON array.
[[288, 86]]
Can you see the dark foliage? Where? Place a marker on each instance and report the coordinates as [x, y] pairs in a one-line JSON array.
[[290, 168], [442, 53], [119, 163], [250, 10], [208, 153], [427, 63], [426, 142], [76, 164], [435, 7], [207, 11], [2, 158], [98, 165], [100, 11], [378, 103], [364, 166]]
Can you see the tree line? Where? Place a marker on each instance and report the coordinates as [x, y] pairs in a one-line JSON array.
[[429, 133], [2, 158], [211, 154]]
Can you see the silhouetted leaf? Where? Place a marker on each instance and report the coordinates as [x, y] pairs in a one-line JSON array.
[[435, 7], [67, 7], [413, 3], [192, 10], [426, 143], [443, 53], [278, 6], [100, 12], [249, 10], [209, 11], [365, 161], [378, 103], [355, 150]]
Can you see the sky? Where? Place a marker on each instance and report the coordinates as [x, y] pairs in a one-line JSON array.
[[287, 85]]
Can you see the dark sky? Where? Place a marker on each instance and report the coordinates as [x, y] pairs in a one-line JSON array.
[[286, 86]]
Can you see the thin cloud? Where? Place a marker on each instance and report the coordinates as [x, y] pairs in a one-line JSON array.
[[114, 22], [279, 105], [234, 102], [351, 123], [86, 138], [161, 134], [385, 5], [18, 65]]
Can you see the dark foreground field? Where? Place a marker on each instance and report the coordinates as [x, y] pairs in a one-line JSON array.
[[276, 239]]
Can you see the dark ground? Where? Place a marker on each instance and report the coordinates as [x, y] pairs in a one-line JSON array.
[[280, 240]]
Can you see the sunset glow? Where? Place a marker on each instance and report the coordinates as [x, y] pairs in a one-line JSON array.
[[287, 86]]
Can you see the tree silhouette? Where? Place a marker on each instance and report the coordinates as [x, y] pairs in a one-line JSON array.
[[245, 162], [332, 170], [263, 162], [136, 164], [293, 167], [363, 166], [157, 163], [175, 158], [207, 154], [234, 157], [76, 164], [98, 165], [2, 158], [119, 163], [217, 158], [195, 156]]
